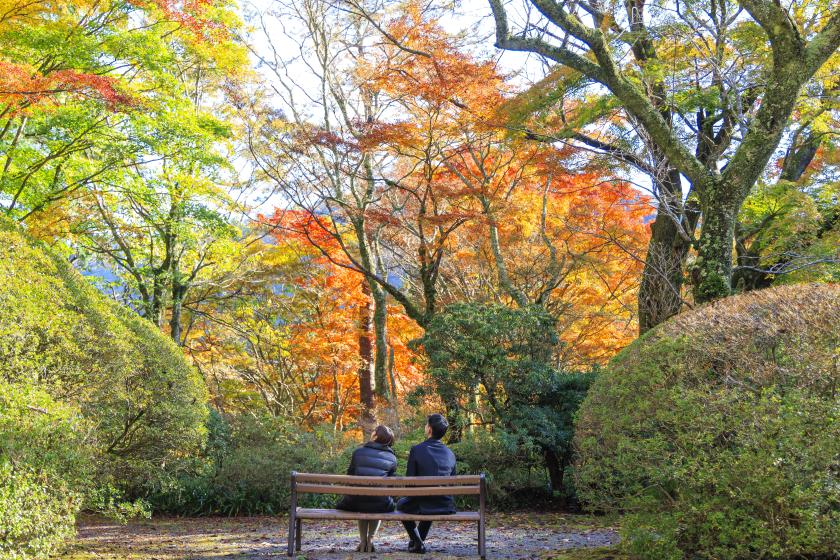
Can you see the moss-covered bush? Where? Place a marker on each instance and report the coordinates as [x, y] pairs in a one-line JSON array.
[[719, 432], [94, 400]]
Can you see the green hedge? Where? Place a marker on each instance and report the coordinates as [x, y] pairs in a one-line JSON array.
[[94, 401], [45, 467], [718, 433]]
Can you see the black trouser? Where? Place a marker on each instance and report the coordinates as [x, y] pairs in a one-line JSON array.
[[417, 531]]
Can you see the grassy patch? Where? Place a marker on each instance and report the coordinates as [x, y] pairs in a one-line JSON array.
[[608, 553]]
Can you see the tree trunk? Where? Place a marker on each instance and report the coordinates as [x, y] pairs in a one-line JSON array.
[[380, 329], [501, 268], [367, 419], [175, 320], [662, 276], [455, 417], [555, 468], [712, 274], [660, 291], [380, 311], [748, 276]]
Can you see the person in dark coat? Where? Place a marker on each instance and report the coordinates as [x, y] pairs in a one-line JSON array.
[[375, 458], [430, 458]]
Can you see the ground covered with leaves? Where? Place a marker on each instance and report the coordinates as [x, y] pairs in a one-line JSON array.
[[510, 536]]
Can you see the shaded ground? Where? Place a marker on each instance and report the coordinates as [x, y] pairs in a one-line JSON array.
[[509, 536]]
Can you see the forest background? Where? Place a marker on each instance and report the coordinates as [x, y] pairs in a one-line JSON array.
[[236, 237]]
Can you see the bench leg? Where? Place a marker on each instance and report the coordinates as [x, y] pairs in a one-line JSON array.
[[481, 540], [292, 536], [298, 533]]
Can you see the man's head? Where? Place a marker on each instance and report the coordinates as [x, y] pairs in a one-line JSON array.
[[436, 426]]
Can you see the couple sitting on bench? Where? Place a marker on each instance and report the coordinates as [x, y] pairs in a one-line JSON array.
[[377, 458]]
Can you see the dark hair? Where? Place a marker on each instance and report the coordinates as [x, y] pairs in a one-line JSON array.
[[438, 424], [384, 435]]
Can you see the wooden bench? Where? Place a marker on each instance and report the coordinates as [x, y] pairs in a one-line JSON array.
[[311, 483]]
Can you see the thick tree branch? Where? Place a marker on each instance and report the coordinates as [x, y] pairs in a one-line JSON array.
[[823, 45]]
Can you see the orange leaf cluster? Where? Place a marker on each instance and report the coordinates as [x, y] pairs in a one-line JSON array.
[[22, 86], [324, 342]]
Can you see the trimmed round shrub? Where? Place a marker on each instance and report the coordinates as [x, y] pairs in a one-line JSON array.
[[718, 433], [94, 401], [58, 333]]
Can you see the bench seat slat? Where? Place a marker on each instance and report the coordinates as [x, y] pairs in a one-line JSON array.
[[388, 491], [310, 513], [459, 480]]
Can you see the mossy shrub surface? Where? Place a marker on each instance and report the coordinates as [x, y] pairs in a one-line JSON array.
[[718, 432]]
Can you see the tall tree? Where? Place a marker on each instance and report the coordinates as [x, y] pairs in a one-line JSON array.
[[716, 117], [318, 132]]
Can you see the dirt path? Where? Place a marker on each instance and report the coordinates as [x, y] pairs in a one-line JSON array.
[[509, 536]]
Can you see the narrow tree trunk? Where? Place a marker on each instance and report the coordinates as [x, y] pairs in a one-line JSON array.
[[501, 268], [555, 468], [175, 322], [380, 311], [367, 419], [179, 292], [393, 410], [380, 329], [454, 414]]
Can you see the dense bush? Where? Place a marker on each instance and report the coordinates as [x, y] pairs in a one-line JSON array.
[[494, 363], [45, 469], [94, 400], [719, 431], [37, 515], [516, 475], [59, 333], [244, 468]]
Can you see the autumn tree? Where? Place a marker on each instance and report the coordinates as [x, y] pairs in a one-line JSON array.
[[133, 173], [721, 134], [538, 216], [318, 135], [70, 84]]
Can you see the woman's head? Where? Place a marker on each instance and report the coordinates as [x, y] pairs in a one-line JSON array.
[[383, 434]]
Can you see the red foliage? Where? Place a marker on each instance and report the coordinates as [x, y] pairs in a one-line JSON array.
[[303, 227], [22, 86], [192, 15]]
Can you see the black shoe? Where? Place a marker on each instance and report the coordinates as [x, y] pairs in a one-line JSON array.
[[417, 547]]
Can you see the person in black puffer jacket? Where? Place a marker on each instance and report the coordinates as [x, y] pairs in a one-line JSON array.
[[375, 458]]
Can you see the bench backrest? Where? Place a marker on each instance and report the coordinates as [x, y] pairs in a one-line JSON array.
[[314, 483]]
